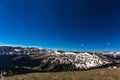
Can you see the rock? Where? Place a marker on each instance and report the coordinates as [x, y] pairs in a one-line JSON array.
[[51, 60]]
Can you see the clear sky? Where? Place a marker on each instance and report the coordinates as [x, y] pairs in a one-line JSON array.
[[61, 24]]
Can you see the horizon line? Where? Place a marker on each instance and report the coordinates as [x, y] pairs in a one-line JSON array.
[[82, 50]]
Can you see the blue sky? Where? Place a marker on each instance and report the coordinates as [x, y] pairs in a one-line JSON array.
[[61, 24]]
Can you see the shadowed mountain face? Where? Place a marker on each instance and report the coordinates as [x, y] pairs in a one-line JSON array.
[[49, 60], [6, 60]]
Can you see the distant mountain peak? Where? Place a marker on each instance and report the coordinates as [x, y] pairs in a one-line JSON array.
[[51, 60]]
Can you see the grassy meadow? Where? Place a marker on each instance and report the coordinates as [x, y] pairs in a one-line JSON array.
[[96, 74]]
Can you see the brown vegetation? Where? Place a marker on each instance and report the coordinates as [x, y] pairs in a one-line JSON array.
[[96, 74]]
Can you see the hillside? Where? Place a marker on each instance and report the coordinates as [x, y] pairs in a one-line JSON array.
[[21, 60], [96, 74]]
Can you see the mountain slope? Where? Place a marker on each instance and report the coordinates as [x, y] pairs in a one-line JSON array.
[[49, 60]]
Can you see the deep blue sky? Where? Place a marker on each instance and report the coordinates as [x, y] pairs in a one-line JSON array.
[[61, 24]]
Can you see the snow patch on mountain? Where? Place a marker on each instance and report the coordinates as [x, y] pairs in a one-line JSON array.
[[47, 59]]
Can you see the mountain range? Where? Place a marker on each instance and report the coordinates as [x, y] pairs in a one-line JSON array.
[[39, 59]]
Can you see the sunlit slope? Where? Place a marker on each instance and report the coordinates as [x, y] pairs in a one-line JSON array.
[[96, 74]]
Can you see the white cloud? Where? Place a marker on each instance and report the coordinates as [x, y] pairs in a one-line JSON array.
[[15, 45], [6, 44]]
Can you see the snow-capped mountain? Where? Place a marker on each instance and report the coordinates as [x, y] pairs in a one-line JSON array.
[[112, 55], [49, 60]]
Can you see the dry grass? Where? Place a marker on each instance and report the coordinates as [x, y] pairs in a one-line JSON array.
[[97, 74]]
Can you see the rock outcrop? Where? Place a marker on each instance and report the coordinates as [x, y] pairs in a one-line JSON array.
[[49, 60]]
